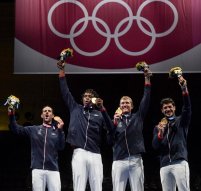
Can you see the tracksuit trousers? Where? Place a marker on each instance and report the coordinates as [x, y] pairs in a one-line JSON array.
[[86, 164], [130, 167], [175, 174], [41, 178]]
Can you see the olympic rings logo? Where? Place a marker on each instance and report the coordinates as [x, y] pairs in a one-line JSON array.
[[116, 34]]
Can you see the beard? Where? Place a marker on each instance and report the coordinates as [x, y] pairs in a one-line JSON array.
[[169, 113]]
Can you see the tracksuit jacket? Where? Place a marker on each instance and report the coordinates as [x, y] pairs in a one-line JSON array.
[[127, 136], [173, 145], [85, 128], [45, 143]]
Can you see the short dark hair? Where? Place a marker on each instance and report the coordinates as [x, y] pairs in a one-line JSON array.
[[48, 106], [90, 91], [167, 101]]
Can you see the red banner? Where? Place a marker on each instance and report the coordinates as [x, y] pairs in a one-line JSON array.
[[108, 36]]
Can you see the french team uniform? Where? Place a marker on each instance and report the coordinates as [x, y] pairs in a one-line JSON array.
[[84, 134], [173, 149], [46, 140], [128, 145]]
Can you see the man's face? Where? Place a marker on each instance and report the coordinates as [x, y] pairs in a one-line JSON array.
[[47, 115], [125, 105], [168, 110], [87, 98]]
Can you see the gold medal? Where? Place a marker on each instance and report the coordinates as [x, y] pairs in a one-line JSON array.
[[93, 100], [164, 120], [56, 118], [119, 111]]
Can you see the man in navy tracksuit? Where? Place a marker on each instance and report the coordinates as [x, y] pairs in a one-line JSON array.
[[171, 141], [45, 139], [128, 143], [84, 134]]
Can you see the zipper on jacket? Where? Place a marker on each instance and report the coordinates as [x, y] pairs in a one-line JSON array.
[[87, 130], [169, 143], [45, 148], [125, 136]]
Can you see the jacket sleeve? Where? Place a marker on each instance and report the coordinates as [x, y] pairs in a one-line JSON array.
[[68, 98], [61, 139], [156, 142], [20, 130], [111, 135], [108, 124], [144, 105], [186, 111]]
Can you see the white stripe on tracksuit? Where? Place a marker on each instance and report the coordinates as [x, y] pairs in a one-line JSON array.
[[45, 149], [126, 138], [87, 131]]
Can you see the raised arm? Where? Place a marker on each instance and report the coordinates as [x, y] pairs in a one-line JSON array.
[[20, 130], [144, 104], [68, 98], [186, 109]]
